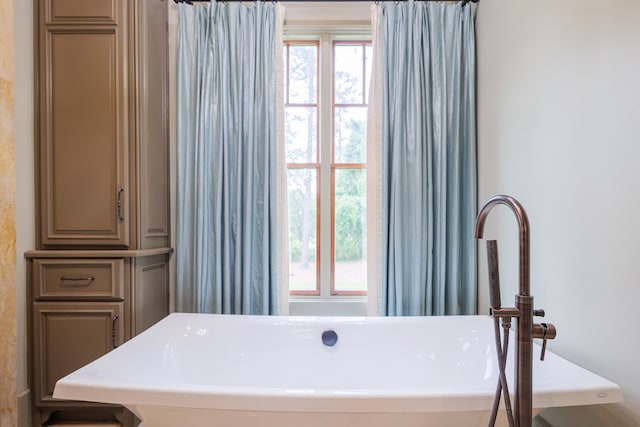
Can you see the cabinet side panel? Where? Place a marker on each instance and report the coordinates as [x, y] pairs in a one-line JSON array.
[[151, 292], [153, 136]]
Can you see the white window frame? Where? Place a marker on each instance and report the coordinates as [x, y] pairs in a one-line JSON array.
[[326, 33]]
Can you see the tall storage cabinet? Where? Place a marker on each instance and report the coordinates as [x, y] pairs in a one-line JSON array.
[[99, 274]]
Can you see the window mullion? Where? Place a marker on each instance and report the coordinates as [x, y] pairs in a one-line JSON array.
[[326, 130]]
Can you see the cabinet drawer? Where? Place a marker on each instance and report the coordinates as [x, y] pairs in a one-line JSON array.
[[81, 11], [81, 279]]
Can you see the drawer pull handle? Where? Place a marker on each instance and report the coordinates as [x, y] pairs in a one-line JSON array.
[[75, 280], [113, 331]]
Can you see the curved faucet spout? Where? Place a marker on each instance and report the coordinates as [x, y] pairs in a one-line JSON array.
[[523, 227]]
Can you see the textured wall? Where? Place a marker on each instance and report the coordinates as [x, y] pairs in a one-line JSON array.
[[8, 399]]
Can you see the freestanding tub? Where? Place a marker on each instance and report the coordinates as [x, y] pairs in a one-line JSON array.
[[261, 371]]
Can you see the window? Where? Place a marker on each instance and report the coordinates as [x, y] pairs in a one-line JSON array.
[[326, 87]]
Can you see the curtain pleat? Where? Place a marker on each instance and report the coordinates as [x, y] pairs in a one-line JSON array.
[[428, 158], [227, 228]]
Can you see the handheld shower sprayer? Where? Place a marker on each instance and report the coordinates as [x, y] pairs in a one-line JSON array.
[[494, 274]]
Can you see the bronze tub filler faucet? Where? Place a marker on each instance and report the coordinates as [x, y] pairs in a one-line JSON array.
[[523, 312]]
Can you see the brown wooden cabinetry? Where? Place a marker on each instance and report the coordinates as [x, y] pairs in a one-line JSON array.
[[102, 97], [99, 273], [84, 304]]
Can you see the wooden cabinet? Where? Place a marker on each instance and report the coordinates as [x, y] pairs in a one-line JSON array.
[[85, 303], [99, 273], [102, 124]]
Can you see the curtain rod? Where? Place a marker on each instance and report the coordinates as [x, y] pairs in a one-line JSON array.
[[306, 1]]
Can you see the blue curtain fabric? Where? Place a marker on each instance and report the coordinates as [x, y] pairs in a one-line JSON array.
[[428, 158], [226, 235]]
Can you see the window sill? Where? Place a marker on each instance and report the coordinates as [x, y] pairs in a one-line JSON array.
[[336, 306]]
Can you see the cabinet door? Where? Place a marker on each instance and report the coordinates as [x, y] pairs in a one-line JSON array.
[[83, 135], [67, 336]]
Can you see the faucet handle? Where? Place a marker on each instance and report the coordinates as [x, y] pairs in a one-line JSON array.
[[538, 313], [544, 349], [546, 331]]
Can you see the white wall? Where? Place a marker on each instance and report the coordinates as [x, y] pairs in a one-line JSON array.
[[559, 129]]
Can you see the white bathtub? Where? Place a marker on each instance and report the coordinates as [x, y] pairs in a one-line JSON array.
[[255, 371]]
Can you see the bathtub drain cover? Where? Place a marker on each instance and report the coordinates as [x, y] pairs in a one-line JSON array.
[[329, 338]]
